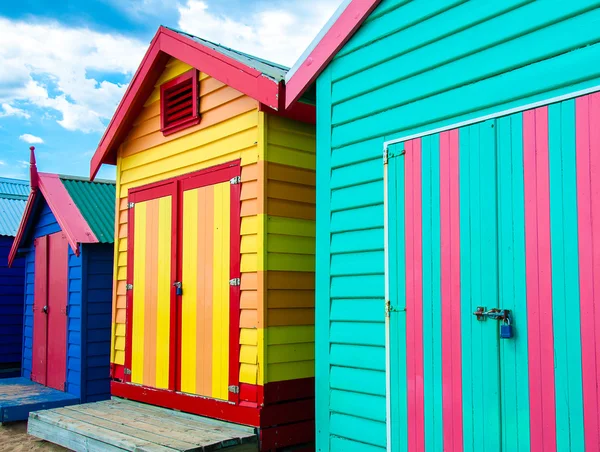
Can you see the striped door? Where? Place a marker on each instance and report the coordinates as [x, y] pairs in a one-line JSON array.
[[184, 270], [151, 268], [205, 301], [500, 214]]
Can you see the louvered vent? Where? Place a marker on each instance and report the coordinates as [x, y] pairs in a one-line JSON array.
[[179, 103]]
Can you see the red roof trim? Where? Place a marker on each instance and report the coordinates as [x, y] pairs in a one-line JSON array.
[[331, 43], [64, 209], [167, 43]]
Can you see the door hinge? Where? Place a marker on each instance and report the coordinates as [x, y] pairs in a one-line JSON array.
[[234, 389], [65, 386], [127, 371], [236, 180], [389, 308], [130, 205], [128, 286], [235, 282]]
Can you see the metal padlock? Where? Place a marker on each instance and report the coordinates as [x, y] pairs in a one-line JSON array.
[[506, 331], [178, 288]]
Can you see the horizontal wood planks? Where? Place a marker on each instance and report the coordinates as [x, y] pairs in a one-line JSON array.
[[125, 426]]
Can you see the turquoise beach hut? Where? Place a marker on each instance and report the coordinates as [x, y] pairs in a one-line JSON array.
[[458, 203]]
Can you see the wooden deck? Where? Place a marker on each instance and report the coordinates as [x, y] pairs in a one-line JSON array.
[[120, 425], [19, 396]]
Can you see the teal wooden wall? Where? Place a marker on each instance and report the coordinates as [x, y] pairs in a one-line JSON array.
[[412, 67]]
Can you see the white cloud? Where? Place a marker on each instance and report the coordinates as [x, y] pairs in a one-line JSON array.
[[31, 139], [46, 64], [8, 110], [2, 163], [275, 33], [23, 163]]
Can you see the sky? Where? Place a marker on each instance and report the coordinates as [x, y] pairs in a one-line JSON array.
[[65, 65]]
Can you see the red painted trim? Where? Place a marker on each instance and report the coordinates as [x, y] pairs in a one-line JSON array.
[[414, 297], [40, 319], [588, 200], [283, 391], [234, 291], [299, 111], [117, 371], [216, 409], [539, 280], [450, 260], [129, 293], [337, 36], [287, 435], [58, 294], [167, 43], [176, 275], [22, 226], [66, 212], [186, 122]]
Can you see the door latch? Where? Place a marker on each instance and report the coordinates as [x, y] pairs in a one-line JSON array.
[[502, 315]]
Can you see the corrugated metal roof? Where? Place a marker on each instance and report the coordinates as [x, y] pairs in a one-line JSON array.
[[272, 70], [96, 202], [13, 197]]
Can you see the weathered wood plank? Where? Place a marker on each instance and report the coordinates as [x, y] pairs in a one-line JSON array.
[[127, 428], [193, 436], [71, 440], [116, 439]]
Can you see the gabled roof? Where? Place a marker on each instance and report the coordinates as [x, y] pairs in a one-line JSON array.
[[255, 77], [84, 210], [13, 197], [336, 33]]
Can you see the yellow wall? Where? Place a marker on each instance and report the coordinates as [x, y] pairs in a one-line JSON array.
[[228, 131], [277, 227]]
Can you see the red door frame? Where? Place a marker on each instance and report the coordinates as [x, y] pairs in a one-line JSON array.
[[40, 319], [175, 187], [58, 294]]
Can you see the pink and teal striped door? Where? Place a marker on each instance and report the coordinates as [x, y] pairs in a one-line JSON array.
[[498, 214]]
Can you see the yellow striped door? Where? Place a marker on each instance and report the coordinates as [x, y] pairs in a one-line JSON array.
[[205, 301], [151, 293]]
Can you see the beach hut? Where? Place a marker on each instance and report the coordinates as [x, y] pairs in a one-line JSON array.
[[66, 239], [13, 196], [213, 309], [458, 172]]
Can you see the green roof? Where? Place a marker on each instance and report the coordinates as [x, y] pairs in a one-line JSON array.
[[96, 202]]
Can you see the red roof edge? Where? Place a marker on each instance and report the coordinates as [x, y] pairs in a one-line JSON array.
[[167, 43], [329, 45], [66, 212]]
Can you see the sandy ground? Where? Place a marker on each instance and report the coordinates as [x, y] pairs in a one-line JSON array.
[[14, 438]]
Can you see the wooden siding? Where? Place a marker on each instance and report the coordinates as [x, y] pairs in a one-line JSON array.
[[413, 66], [11, 305], [290, 249], [96, 315], [229, 130]]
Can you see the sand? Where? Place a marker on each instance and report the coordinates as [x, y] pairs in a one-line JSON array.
[[14, 438]]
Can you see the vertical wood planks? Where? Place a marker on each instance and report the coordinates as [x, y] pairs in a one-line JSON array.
[[414, 296], [539, 280], [588, 197], [512, 283], [565, 276], [450, 257]]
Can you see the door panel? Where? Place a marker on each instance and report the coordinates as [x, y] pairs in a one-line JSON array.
[[152, 292], [40, 318], [205, 300], [58, 272], [477, 155]]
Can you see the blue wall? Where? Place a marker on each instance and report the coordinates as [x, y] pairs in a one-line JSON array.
[[412, 67], [89, 313], [12, 282]]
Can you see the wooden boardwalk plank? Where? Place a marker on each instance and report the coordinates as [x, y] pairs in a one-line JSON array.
[[129, 429], [109, 437], [190, 435]]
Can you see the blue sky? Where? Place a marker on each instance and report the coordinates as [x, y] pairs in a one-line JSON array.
[[66, 64]]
